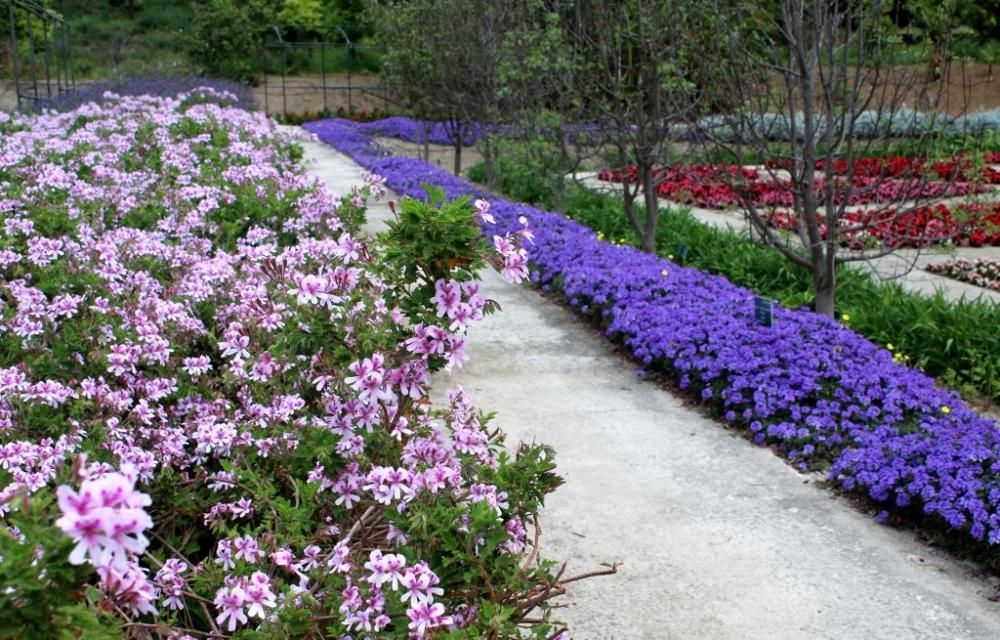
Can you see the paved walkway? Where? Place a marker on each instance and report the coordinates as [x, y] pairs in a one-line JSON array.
[[905, 265], [719, 539]]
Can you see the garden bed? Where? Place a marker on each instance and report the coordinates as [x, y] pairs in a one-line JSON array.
[[213, 394], [973, 225], [982, 272], [719, 187], [825, 395], [893, 181]]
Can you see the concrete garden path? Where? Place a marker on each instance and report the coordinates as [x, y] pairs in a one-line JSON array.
[[718, 539]]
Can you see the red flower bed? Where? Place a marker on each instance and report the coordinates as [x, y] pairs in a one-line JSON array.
[[903, 167], [710, 186], [973, 225]]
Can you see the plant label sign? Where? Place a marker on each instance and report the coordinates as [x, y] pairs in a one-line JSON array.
[[682, 252], [763, 310]]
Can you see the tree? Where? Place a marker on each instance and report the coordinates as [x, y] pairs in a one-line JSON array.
[[409, 67], [308, 14], [938, 23], [540, 77], [227, 34], [641, 78], [352, 15], [815, 78], [445, 58]]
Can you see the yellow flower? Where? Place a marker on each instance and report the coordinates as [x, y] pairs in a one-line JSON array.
[[845, 318], [670, 256], [600, 235], [945, 409], [889, 346]]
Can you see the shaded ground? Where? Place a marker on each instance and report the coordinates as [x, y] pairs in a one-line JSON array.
[[966, 86]]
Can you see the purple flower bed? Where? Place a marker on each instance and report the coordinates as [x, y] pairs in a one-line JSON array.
[[411, 130], [160, 87], [818, 390]]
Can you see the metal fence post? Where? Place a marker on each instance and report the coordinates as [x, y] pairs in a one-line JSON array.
[[31, 56], [15, 62], [350, 85], [284, 81], [48, 60], [322, 69], [53, 58]]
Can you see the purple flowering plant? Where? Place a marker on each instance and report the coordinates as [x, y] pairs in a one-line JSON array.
[[825, 396], [444, 133], [214, 411]]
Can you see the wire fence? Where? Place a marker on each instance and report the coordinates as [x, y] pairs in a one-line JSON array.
[[301, 71]]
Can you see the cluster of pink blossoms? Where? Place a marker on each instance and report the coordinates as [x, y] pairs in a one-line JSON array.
[[365, 611], [513, 258], [106, 518]]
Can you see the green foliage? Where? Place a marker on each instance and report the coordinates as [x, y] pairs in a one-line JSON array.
[[432, 240], [112, 38], [306, 13], [118, 38], [407, 33], [225, 34], [952, 341]]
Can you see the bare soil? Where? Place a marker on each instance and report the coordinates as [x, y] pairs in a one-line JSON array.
[[965, 87], [302, 94], [440, 155]]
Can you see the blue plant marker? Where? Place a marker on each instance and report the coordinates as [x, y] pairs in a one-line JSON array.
[[763, 310], [681, 253]]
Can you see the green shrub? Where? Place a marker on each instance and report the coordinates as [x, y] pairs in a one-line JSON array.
[[226, 36]]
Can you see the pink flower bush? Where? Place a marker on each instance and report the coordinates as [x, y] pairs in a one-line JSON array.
[[249, 375]]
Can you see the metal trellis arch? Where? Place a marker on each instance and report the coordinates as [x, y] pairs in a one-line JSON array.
[[327, 46], [39, 54]]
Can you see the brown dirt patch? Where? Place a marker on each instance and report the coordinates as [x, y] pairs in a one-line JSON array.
[[965, 87], [440, 155], [301, 94]]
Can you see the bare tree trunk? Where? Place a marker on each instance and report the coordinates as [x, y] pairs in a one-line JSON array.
[[647, 233], [560, 186], [458, 155], [559, 194], [824, 284], [490, 161]]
